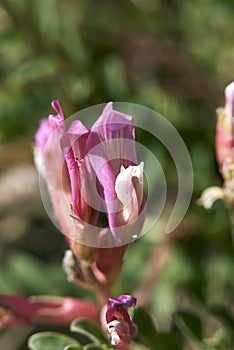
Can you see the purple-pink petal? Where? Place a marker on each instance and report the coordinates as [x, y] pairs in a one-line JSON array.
[[127, 300], [42, 134], [115, 128], [111, 145], [117, 310], [73, 144], [105, 178], [56, 120]]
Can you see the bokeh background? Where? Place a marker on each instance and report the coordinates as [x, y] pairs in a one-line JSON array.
[[174, 56]]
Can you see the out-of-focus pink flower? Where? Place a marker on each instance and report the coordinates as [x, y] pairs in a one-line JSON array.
[[119, 323], [225, 128], [16, 310]]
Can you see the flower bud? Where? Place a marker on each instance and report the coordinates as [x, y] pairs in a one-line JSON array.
[[16, 310], [119, 323], [225, 127]]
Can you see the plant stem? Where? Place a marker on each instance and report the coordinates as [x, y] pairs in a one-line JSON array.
[[158, 260], [102, 289], [231, 215]]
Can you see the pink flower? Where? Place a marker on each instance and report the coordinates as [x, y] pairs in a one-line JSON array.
[[79, 160], [225, 128], [119, 323], [85, 169], [16, 310]]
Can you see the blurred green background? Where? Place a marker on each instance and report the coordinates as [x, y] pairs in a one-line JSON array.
[[174, 56]]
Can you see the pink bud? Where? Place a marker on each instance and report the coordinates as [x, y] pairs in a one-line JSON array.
[[119, 323], [225, 130], [16, 310]]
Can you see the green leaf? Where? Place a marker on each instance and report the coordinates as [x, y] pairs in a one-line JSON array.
[[29, 272], [89, 330], [51, 341], [30, 70], [147, 333], [224, 315], [189, 324], [169, 341], [115, 77], [94, 347], [72, 347]]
